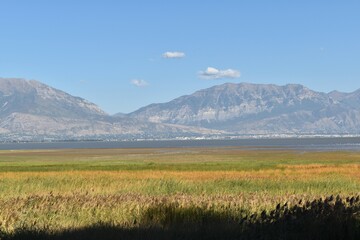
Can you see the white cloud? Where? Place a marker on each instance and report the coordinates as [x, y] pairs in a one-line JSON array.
[[213, 73], [173, 55], [139, 83]]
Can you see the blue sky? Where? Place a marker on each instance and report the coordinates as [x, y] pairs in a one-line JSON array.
[[114, 53]]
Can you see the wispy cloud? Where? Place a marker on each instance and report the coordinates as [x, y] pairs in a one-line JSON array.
[[213, 73], [139, 83], [173, 55]]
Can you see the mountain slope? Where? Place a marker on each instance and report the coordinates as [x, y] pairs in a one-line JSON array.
[[30, 110], [33, 97], [260, 109]]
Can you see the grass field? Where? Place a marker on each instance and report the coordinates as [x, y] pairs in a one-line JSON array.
[[136, 192]]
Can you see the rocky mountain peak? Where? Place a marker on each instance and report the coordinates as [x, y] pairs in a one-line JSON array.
[[258, 108], [30, 96]]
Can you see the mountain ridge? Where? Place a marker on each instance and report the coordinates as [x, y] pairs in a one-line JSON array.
[[31, 110], [30, 96], [246, 108]]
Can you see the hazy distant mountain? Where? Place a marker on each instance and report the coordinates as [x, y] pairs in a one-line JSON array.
[[30, 110], [119, 115], [260, 109]]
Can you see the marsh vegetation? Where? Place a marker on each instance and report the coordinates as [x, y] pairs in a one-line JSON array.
[[185, 193]]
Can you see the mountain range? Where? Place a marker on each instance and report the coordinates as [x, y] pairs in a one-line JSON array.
[[261, 109], [30, 110]]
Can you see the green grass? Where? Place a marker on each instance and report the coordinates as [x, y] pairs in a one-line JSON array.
[[224, 159]]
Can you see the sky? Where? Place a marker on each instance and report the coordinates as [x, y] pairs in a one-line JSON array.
[[123, 55]]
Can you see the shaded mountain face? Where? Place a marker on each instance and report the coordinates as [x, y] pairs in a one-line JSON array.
[[260, 109]]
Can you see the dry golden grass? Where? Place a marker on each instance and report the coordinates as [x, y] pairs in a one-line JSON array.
[[284, 172]]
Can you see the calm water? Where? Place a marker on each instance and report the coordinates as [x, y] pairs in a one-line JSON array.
[[316, 144]]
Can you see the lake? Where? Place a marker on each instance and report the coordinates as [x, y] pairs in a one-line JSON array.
[[315, 144]]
